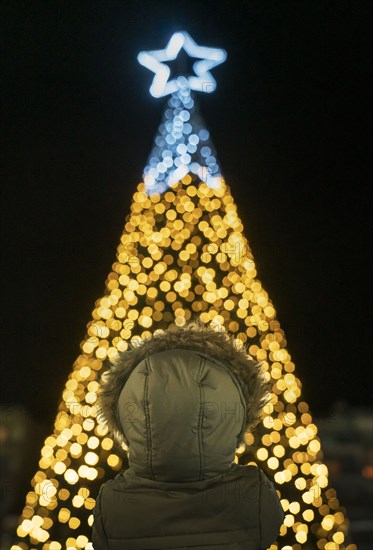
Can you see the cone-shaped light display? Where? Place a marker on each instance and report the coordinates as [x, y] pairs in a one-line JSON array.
[[182, 254]]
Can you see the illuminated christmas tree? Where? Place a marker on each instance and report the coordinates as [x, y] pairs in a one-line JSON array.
[[182, 255]]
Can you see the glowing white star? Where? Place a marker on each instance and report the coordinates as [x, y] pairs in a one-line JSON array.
[[203, 82]]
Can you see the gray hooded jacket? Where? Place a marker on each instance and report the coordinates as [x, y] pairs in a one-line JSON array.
[[182, 402]]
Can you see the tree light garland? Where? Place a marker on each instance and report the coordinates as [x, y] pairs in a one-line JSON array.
[[182, 254]]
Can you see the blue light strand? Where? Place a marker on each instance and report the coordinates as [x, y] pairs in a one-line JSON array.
[[182, 145]]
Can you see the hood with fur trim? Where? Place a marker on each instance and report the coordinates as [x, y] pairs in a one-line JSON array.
[[181, 401]]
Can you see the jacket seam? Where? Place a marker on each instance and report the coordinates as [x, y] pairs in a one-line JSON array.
[[147, 420], [200, 419], [259, 513], [237, 383]]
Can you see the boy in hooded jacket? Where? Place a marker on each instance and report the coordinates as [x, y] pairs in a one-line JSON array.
[[180, 402]]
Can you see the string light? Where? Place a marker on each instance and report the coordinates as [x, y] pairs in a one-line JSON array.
[[181, 146]]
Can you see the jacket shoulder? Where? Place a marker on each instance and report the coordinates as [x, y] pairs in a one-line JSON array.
[[110, 485], [247, 470]]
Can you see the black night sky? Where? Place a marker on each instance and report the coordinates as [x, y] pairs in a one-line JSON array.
[[288, 120]]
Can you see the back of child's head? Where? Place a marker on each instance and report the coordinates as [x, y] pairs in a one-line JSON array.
[[184, 379]]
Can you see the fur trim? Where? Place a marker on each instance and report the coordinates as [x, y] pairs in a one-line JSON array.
[[195, 335]]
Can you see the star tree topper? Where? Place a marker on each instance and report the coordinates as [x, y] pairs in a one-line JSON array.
[[203, 82]]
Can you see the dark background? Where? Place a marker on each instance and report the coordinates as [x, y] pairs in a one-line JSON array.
[[289, 122]]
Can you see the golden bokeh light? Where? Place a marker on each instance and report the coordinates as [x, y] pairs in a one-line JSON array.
[[182, 254]]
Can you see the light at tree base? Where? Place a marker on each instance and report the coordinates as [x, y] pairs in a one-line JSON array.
[[182, 255]]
